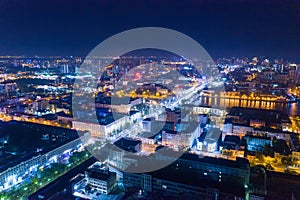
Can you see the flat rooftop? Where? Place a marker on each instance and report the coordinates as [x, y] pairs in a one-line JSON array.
[[106, 119], [127, 144], [270, 116], [185, 175], [102, 175]]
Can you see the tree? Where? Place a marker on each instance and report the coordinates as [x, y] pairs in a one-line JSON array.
[[260, 156], [35, 180], [58, 167], [269, 166], [289, 171], [296, 124], [228, 153], [281, 147], [287, 161], [77, 156], [268, 150]]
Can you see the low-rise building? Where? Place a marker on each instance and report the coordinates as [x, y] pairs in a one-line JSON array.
[[257, 143], [129, 145], [103, 126], [191, 177], [103, 181]]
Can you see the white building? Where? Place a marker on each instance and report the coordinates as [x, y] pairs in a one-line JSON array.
[[104, 127], [103, 181]]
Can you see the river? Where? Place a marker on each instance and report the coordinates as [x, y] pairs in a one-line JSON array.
[[292, 109]]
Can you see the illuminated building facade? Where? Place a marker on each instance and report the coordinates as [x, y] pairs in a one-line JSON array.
[[15, 174], [106, 125], [103, 181]]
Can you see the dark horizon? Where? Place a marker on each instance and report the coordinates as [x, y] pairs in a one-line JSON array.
[[232, 29]]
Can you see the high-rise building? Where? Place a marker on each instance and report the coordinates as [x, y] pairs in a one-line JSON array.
[[65, 69]]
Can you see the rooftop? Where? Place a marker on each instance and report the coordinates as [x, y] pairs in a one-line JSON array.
[[127, 144], [270, 116], [239, 163], [102, 175]]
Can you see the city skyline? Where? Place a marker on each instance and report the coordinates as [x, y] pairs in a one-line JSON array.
[[108, 99]]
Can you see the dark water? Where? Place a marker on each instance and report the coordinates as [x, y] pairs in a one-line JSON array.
[[292, 109]]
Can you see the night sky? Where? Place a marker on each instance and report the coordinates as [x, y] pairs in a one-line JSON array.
[[73, 27]]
